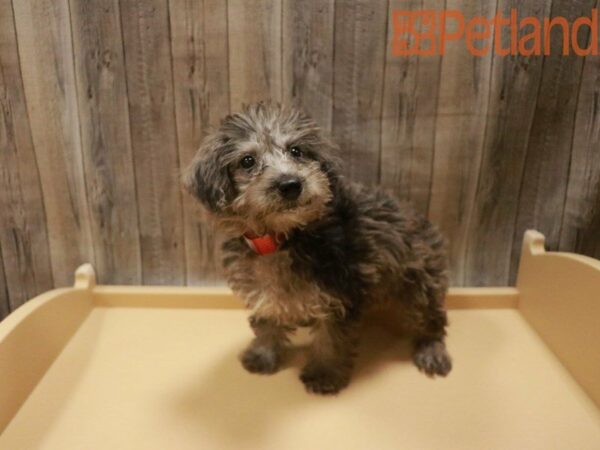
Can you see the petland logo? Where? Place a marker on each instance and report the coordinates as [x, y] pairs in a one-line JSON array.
[[427, 32]]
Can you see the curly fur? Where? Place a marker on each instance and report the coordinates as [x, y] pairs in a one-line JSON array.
[[346, 247]]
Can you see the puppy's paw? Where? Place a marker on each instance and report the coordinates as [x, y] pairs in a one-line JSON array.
[[324, 380], [432, 358], [260, 359]]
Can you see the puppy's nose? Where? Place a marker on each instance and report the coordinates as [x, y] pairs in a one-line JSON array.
[[290, 188]]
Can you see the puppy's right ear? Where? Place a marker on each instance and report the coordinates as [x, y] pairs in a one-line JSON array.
[[207, 178]]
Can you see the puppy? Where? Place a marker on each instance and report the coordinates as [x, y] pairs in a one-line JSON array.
[[308, 248]]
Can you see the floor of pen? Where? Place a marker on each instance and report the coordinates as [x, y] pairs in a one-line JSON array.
[[161, 378]]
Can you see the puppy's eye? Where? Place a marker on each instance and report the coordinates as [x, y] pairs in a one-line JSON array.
[[247, 161], [296, 152]]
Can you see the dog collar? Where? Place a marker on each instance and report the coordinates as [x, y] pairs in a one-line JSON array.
[[263, 245]]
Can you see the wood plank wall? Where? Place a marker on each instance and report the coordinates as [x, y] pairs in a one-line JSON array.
[[102, 102]]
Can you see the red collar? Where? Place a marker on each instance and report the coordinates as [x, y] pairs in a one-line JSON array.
[[263, 245]]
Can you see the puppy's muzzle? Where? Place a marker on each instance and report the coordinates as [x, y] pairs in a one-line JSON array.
[[289, 187]]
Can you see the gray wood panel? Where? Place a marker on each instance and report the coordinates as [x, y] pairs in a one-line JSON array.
[[410, 100], [145, 27], [581, 220], [23, 234], [201, 88], [255, 71], [459, 137], [46, 58], [543, 191], [106, 145], [360, 43], [102, 102], [308, 50], [513, 96]]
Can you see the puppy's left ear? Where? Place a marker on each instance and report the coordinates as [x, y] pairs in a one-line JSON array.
[[207, 177]]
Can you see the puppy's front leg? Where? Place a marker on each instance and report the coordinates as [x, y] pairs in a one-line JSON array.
[[331, 356], [264, 354]]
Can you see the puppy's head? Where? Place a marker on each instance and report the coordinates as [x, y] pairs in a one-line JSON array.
[[266, 169]]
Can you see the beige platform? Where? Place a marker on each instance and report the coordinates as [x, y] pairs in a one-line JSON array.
[[107, 367]]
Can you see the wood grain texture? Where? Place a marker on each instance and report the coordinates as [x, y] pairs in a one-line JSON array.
[[201, 88], [581, 219], [308, 48], [255, 71], [23, 235], [514, 90], [106, 145], [360, 43], [103, 101], [543, 191], [145, 27], [46, 58], [410, 98], [460, 133]]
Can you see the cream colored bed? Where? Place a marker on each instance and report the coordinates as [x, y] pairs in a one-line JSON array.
[[111, 367]]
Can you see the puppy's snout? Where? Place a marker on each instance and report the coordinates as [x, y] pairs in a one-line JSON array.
[[289, 187]]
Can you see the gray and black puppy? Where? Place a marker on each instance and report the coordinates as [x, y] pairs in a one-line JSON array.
[[308, 248]]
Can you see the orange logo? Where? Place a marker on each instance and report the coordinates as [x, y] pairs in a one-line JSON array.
[[427, 32]]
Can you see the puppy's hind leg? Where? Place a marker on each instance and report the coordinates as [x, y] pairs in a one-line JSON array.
[[331, 356], [265, 352]]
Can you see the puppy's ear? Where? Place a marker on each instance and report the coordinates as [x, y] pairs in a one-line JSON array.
[[207, 177]]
